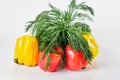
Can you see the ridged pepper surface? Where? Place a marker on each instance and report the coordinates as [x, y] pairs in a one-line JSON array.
[[26, 50]]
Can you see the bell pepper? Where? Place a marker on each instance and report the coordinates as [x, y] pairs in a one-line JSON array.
[[26, 50], [92, 43], [74, 59], [55, 59]]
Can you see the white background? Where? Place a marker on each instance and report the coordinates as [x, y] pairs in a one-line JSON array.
[[15, 13]]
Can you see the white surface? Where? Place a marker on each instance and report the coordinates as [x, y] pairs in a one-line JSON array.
[[15, 13]]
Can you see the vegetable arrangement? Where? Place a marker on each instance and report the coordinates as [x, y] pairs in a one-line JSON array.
[[59, 39]]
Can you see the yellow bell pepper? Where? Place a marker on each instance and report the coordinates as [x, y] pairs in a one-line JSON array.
[[26, 50], [92, 43]]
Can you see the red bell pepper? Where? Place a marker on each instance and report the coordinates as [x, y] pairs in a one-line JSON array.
[[74, 59], [55, 60]]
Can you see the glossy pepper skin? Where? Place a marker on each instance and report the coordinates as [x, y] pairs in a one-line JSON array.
[[92, 43], [55, 60], [74, 59], [26, 50], [54, 63]]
